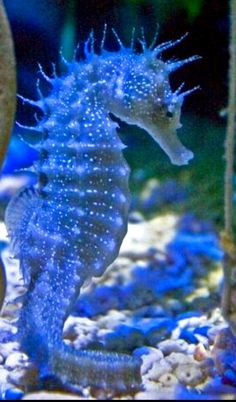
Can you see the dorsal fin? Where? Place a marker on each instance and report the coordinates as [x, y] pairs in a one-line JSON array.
[[18, 214]]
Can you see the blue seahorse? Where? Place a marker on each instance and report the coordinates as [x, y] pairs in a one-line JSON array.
[[71, 225]]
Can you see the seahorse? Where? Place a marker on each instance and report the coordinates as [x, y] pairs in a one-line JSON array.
[[70, 226]]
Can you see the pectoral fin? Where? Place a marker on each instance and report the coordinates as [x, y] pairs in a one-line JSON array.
[[17, 216]]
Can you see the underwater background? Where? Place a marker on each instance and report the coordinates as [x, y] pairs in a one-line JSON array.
[[161, 299], [41, 29]]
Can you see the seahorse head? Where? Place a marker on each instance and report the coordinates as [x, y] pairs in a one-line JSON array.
[[142, 95]]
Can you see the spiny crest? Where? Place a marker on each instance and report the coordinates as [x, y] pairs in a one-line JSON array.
[[88, 51]]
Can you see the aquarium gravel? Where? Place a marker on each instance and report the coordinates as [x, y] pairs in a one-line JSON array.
[[158, 301]]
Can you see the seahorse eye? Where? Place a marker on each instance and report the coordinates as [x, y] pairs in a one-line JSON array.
[[43, 179], [169, 114], [44, 154]]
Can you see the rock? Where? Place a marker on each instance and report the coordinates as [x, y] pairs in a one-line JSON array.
[[136, 217], [13, 394], [7, 348], [3, 375], [75, 326], [149, 356], [168, 346], [1, 359], [79, 331], [24, 377], [191, 320], [176, 359], [188, 336], [174, 305], [158, 369], [125, 338], [147, 395], [38, 396], [142, 235], [168, 380], [15, 360], [150, 312], [159, 393], [6, 326], [189, 374], [200, 353], [158, 333], [112, 319]]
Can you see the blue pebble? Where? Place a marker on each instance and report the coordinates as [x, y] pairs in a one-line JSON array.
[[202, 330], [229, 377], [188, 336], [13, 394], [124, 338], [188, 314]]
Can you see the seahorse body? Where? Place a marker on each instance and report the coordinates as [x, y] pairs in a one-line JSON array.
[[71, 226]]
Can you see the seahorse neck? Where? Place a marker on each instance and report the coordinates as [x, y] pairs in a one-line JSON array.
[[103, 79]]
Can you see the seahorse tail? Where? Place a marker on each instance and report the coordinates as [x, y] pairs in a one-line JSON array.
[[46, 305], [117, 373]]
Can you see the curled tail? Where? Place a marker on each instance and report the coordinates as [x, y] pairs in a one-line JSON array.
[[40, 335]]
